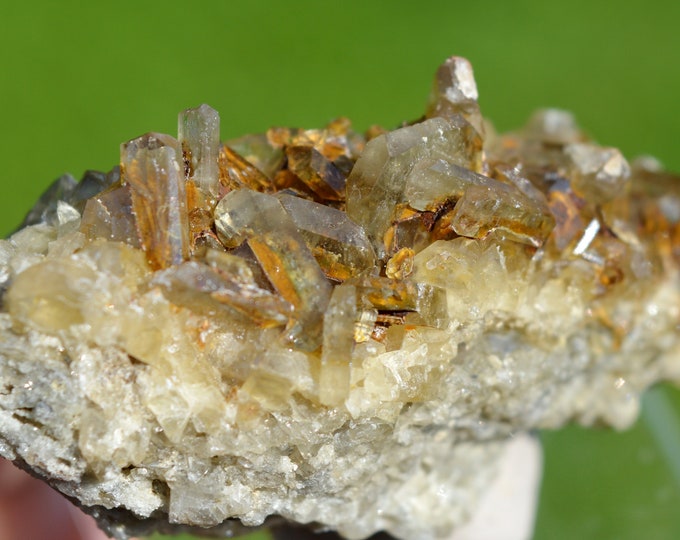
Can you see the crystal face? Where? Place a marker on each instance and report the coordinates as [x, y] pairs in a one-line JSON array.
[[330, 327], [150, 165], [199, 134]]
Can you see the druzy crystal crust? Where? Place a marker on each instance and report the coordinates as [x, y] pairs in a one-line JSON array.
[[330, 327]]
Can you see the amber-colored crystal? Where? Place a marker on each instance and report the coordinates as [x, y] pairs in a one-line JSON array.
[[566, 208], [223, 285], [236, 172], [317, 172], [400, 264]]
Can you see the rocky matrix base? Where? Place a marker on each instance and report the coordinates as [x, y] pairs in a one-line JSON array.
[[327, 327]]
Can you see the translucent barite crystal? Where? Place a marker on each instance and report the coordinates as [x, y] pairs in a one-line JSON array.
[[258, 152], [59, 190], [91, 184], [388, 295], [338, 343], [340, 246], [206, 290], [259, 219], [151, 166], [109, 215], [66, 189], [487, 205], [554, 127], [332, 328], [375, 187], [455, 92], [199, 135], [600, 173]]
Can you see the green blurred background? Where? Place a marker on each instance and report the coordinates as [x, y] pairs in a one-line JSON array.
[[79, 78]]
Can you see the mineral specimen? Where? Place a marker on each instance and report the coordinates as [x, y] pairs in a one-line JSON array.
[[331, 328]]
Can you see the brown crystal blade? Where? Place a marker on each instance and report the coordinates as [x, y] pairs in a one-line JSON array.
[[209, 291]]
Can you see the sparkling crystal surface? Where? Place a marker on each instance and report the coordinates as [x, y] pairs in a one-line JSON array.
[[328, 327]]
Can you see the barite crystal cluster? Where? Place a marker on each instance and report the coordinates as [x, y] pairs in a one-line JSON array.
[[327, 327]]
